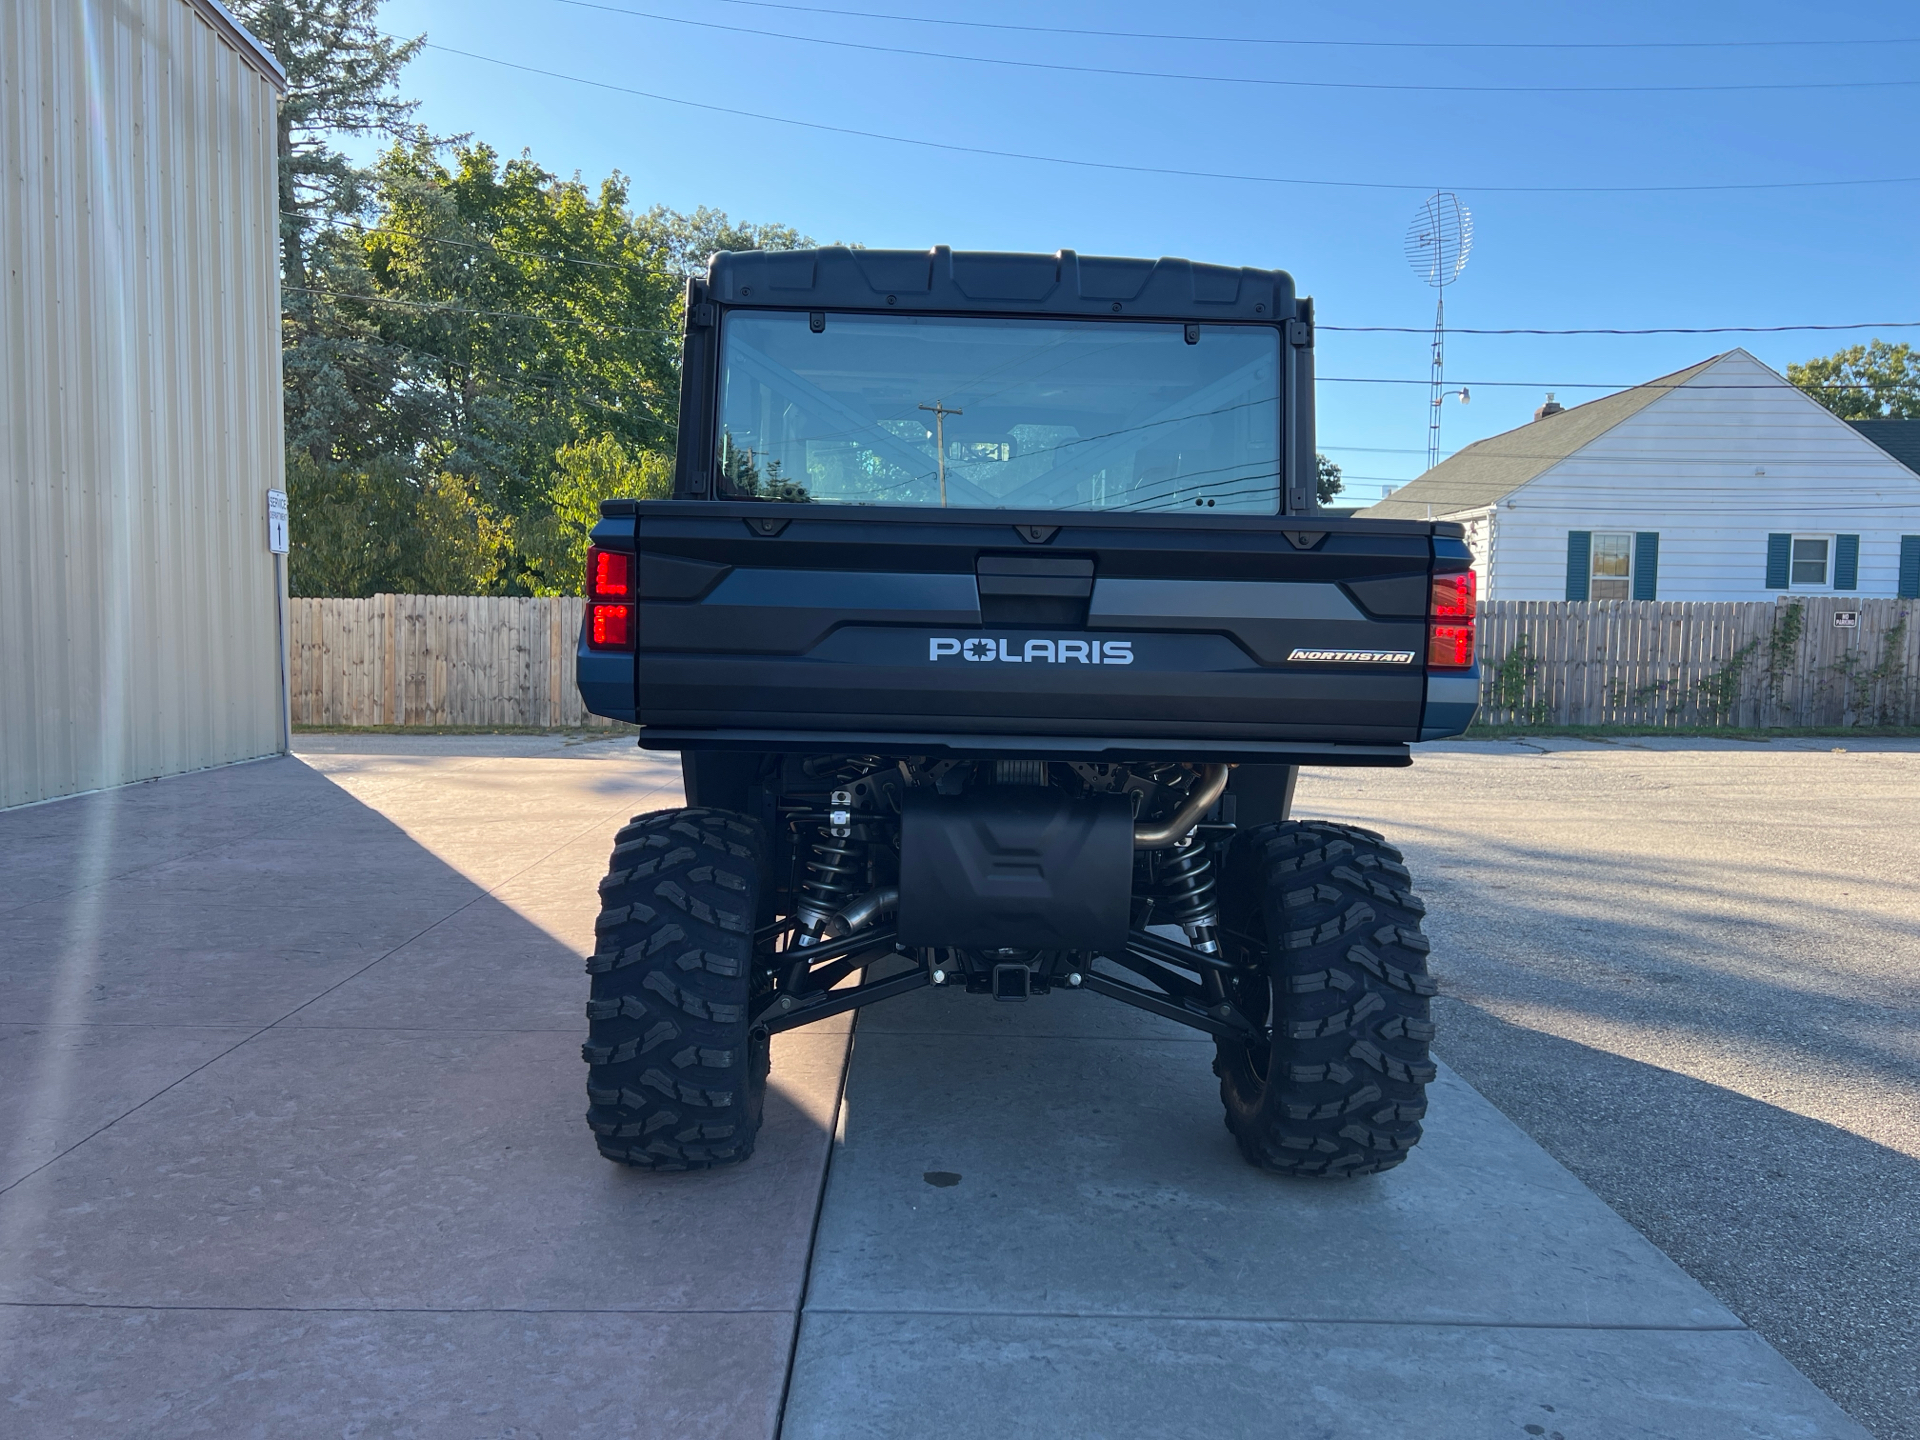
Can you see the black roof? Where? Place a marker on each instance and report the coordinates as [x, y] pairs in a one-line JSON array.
[[1899, 438], [992, 282]]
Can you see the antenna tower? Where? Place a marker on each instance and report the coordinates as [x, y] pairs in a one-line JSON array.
[[1438, 242]]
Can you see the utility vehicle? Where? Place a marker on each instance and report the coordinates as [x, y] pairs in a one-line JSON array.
[[992, 617]]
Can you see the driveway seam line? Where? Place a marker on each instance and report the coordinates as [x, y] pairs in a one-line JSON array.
[[813, 1234], [1702, 1329], [1027, 1035], [116, 1306]]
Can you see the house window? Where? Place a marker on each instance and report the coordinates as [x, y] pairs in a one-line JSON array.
[[1612, 573], [1810, 556]]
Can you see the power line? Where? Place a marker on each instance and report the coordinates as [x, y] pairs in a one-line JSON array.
[[436, 307], [1825, 466], [1168, 170], [379, 231], [1325, 44], [1851, 386], [1673, 503], [531, 380], [1269, 81], [1652, 330], [383, 230], [1710, 513]]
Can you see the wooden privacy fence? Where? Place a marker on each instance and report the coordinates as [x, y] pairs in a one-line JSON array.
[[1663, 664], [436, 660], [485, 660]]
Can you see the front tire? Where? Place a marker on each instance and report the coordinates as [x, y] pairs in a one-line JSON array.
[[675, 1079], [1338, 1086]]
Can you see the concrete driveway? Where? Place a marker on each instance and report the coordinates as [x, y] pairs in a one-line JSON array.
[[1691, 970], [289, 1121]]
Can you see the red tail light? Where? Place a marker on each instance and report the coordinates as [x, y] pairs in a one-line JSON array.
[[1450, 647], [609, 574], [610, 627], [1451, 615], [609, 578], [1453, 596]]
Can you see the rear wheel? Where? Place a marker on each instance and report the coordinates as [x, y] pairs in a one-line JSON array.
[[675, 1080], [1336, 1084]]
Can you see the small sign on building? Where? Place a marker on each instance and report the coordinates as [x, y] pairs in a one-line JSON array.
[[277, 521], [1846, 619]]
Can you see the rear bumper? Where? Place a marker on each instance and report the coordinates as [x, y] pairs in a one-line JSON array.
[[1452, 702], [1049, 747]]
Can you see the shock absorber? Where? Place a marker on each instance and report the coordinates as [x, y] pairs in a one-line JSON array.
[[1191, 899], [834, 863]]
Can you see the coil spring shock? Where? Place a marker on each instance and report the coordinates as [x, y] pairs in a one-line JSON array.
[[1191, 895], [832, 866]]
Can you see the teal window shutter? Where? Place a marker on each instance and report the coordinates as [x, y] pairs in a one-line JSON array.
[[1910, 567], [1846, 563], [1579, 563], [1646, 565], [1779, 561]]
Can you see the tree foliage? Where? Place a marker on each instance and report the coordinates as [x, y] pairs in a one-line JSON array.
[[535, 313], [690, 239], [475, 351], [342, 80], [379, 528], [1875, 381], [1327, 479], [586, 473]]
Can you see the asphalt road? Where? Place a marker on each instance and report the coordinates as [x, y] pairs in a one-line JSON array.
[[1691, 971]]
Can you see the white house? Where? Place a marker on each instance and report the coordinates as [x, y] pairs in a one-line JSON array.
[[1719, 482]]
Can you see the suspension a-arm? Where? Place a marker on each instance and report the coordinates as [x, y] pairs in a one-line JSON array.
[[786, 1010], [1177, 997]]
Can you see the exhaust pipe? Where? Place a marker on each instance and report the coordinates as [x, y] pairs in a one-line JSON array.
[[1211, 785]]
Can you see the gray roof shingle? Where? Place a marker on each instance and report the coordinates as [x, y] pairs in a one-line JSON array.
[[1899, 438], [1489, 470]]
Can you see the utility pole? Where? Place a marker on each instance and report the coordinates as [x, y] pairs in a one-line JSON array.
[[940, 413]]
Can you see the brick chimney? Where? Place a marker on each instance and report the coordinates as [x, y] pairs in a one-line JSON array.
[[1552, 407]]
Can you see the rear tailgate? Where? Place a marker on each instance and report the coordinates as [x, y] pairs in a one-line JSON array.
[[1228, 635]]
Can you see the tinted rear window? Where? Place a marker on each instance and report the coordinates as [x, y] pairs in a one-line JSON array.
[[1015, 414]]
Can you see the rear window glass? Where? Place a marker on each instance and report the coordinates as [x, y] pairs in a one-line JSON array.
[[987, 414]]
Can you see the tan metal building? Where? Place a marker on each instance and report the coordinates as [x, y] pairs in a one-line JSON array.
[[140, 422]]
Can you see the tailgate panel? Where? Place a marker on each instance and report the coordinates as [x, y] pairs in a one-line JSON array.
[[871, 620]]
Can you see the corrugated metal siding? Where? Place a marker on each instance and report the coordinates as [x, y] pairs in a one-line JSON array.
[[139, 335], [1689, 467]]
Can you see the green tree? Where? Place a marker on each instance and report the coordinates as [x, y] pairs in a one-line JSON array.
[[1327, 479], [554, 545], [342, 77], [374, 528], [686, 240], [535, 314], [475, 353], [1876, 381]]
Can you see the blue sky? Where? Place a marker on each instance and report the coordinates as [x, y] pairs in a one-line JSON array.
[[1551, 260]]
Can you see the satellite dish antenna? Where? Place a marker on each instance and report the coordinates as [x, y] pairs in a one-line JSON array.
[[1438, 243]]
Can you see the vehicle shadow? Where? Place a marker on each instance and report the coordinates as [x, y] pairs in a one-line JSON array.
[[284, 1086]]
